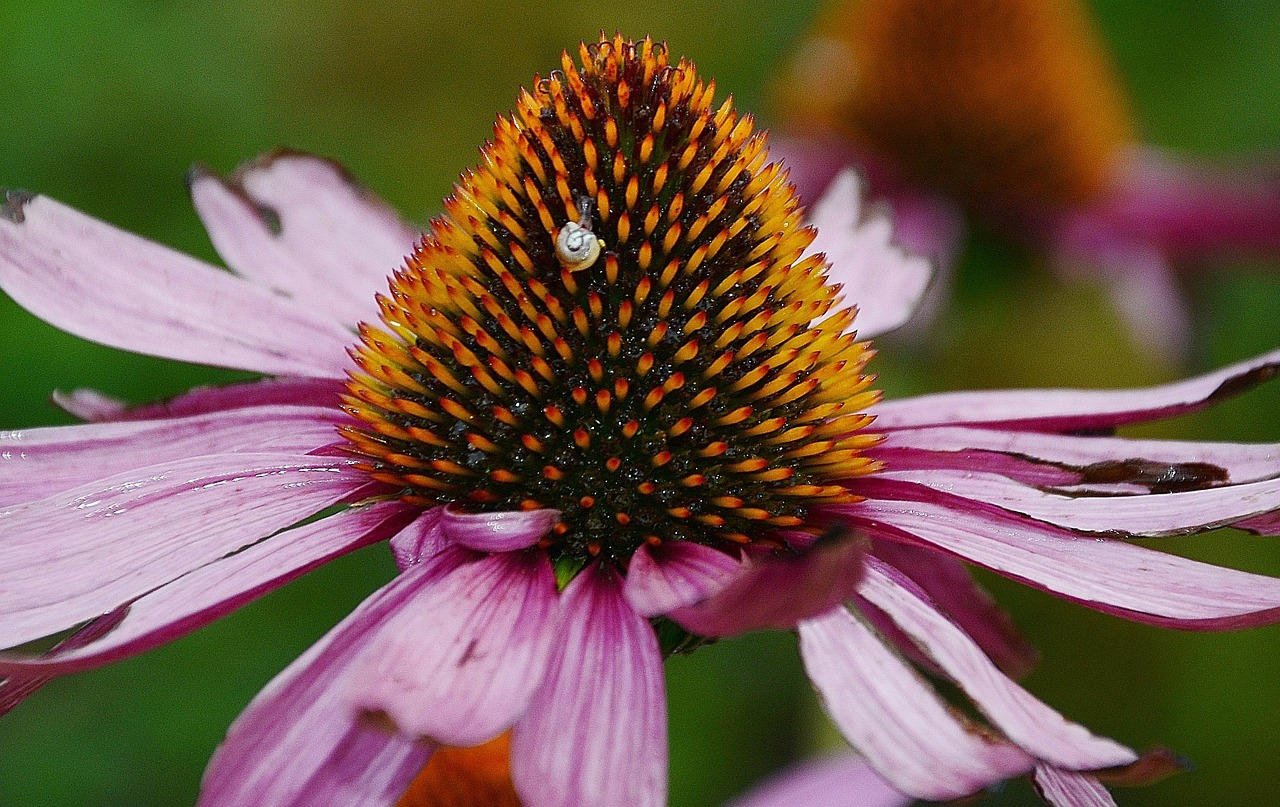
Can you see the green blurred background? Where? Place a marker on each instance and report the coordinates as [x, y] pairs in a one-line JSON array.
[[105, 106]]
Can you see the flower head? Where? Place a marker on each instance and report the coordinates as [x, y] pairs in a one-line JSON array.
[[1013, 111], [612, 395]]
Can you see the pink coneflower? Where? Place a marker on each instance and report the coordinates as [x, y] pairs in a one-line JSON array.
[[1013, 112], [612, 396]]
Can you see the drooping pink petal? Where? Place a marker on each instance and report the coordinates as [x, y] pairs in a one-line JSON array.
[[22, 685], [1170, 464], [94, 406], [1110, 575], [595, 734], [303, 226], [109, 286], [83, 552], [1158, 514], [212, 591], [839, 780], [883, 281], [300, 743], [501, 531], [949, 584], [676, 574], [889, 714], [460, 665], [420, 540], [1025, 720], [35, 463], [1070, 789], [1076, 409], [779, 592]]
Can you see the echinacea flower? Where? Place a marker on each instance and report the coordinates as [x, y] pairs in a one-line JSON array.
[[1011, 110], [611, 404]]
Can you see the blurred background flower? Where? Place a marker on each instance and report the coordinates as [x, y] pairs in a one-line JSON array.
[[102, 106]]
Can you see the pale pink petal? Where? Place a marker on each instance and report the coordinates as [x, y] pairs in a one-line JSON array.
[[301, 744], [460, 665], [1110, 575], [595, 734], [778, 592], [1026, 721], [1157, 514], [501, 531], [884, 282], [94, 406], [35, 463], [1076, 409], [890, 715], [675, 574], [840, 780], [304, 227], [1070, 789], [85, 551], [212, 591], [949, 584], [1167, 464], [109, 286]]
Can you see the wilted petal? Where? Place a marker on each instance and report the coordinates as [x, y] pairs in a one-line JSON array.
[[301, 744], [1171, 464], [460, 665], [301, 225], [840, 780], [85, 551], [889, 714], [673, 575], [35, 463], [595, 734], [109, 286], [778, 592], [883, 281], [1077, 409], [1026, 721], [212, 591], [949, 584], [1157, 514], [500, 531], [1110, 575], [1070, 789]]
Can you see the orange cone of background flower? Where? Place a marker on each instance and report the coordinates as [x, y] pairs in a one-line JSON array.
[[1012, 110]]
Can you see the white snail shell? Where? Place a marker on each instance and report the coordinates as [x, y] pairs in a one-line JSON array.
[[576, 246]]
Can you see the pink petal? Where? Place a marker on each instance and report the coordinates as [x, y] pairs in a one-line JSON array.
[[23, 683], [460, 665], [420, 541], [83, 552], [779, 592], [1089, 459], [301, 225], [889, 714], [109, 286], [301, 744], [883, 281], [1157, 514], [1074, 409], [215, 590], [840, 780], [1070, 789], [948, 583], [675, 574], [1026, 721], [1113, 576], [595, 734], [501, 531], [1268, 524], [35, 463], [93, 406]]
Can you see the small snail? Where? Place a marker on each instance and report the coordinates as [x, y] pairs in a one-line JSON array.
[[576, 246]]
